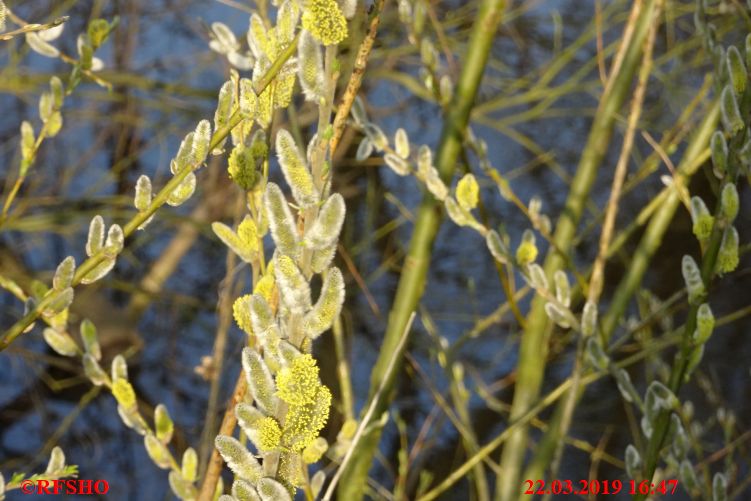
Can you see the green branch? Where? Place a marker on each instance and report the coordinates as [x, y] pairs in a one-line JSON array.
[[417, 261]]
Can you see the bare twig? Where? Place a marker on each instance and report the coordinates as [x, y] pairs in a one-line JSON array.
[[355, 80]]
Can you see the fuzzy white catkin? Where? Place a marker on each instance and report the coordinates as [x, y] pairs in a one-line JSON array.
[[295, 170], [142, 199], [325, 230], [95, 239], [281, 222]]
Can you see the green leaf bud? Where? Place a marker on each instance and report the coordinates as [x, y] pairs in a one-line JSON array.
[[223, 111], [115, 241], [687, 476], [401, 143], [189, 464], [183, 191], [376, 136], [562, 288], [727, 257], [558, 315], [435, 185], [61, 342], [694, 360], [364, 150], [719, 149], [731, 114], [719, 487], [704, 324], [625, 386], [633, 462], [57, 461], [201, 141], [692, 278], [163, 424], [119, 368], [99, 271], [181, 487], [93, 371], [497, 248], [589, 318], [729, 202], [397, 164], [157, 451], [61, 300], [596, 355], [702, 219], [95, 240], [736, 69], [142, 199], [99, 30], [64, 274], [89, 338]]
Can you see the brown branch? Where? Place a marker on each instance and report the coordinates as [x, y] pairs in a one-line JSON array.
[[355, 80], [228, 426]]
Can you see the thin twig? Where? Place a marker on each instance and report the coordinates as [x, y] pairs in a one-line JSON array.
[[31, 28], [368, 415], [355, 80]]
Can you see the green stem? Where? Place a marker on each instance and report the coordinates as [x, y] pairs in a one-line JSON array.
[[412, 281], [649, 243], [682, 358], [534, 342]]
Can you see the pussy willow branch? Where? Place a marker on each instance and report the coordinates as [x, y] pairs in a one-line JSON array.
[[597, 277], [696, 154], [161, 198], [353, 86], [682, 358], [21, 178], [414, 273], [534, 342], [28, 27]]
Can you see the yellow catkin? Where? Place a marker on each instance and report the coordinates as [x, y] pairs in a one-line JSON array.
[[269, 434], [315, 451], [325, 21], [304, 422], [467, 192], [123, 392], [526, 253], [241, 312], [298, 384]]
